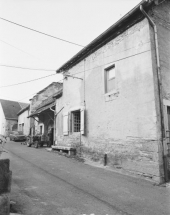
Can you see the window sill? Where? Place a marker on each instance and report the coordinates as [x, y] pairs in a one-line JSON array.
[[111, 95]]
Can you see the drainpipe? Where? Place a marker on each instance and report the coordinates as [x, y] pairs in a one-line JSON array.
[[159, 84]]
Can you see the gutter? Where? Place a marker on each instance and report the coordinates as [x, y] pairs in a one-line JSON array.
[[159, 86]]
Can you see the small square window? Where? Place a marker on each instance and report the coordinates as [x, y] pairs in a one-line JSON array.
[[110, 83]]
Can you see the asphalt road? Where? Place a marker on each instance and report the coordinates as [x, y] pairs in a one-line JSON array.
[[46, 183]]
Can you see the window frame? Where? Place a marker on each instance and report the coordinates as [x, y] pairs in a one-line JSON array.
[[68, 118], [73, 121], [106, 69]]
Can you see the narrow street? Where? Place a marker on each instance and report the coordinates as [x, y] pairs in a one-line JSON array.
[[46, 183]]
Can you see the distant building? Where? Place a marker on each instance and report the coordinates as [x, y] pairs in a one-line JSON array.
[[42, 107], [8, 115], [116, 94], [23, 120]]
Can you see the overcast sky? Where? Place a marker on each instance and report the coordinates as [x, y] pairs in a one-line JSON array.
[[78, 21]]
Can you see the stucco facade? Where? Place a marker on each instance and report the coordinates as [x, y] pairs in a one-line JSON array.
[[24, 121], [124, 123]]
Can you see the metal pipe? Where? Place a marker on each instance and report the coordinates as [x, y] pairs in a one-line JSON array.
[[159, 84]]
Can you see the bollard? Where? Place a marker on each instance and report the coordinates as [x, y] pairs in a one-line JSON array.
[[105, 159]]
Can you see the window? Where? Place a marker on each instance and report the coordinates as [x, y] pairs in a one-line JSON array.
[[110, 83], [76, 121], [73, 121]]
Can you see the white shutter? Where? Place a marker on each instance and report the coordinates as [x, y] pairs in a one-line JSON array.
[[82, 121], [65, 123]]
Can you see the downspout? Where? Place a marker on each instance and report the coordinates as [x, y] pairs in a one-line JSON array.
[[159, 85]]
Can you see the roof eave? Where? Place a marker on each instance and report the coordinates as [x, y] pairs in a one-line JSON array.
[[91, 46]]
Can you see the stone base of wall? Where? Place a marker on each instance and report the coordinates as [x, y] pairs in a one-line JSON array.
[[137, 155]]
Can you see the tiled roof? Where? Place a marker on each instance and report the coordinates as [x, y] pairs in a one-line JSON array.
[[10, 108]]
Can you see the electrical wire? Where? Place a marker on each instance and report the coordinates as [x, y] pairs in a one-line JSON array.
[[36, 92], [28, 81], [67, 41], [19, 49], [94, 68], [19, 67], [82, 71]]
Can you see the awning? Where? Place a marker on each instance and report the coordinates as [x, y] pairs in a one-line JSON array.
[[38, 111]]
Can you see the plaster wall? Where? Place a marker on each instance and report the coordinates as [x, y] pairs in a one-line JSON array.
[[122, 124], [2, 121], [22, 118]]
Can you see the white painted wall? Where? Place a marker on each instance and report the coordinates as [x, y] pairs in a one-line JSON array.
[[22, 118], [2, 121]]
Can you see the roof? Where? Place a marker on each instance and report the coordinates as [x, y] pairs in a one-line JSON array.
[[10, 108], [47, 103], [41, 109], [23, 105], [116, 29], [23, 109], [53, 83]]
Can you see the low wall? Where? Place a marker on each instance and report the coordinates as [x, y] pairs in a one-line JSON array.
[[5, 186]]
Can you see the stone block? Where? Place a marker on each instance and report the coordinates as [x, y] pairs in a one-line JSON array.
[[5, 176], [4, 204]]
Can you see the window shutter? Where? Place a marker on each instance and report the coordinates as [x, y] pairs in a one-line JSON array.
[[70, 122], [65, 123], [82, 121]]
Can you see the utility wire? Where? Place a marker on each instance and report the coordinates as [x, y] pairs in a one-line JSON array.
[[28, 81], [41, 32], [82, 71], [19, 49], [35, 92], [95, 67], [19, 67]]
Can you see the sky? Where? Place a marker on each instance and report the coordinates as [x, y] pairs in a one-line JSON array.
[[77, 21]]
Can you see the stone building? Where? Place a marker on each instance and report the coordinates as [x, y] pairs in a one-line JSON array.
[[42, 107], [116, 94], [8, 115]]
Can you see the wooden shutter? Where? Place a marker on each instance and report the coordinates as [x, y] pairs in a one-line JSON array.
[[65, 123], [82, 129]]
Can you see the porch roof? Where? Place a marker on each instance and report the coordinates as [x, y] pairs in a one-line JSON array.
[[40, 110]]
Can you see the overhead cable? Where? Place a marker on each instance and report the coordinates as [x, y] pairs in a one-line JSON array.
[[29, 68], [36, 92], [28, 81], [19, 49], [41, 32]]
